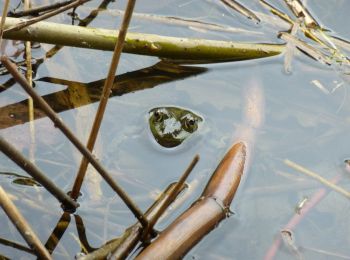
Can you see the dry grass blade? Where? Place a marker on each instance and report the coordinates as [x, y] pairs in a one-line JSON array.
[[104, 98], [22, 226], [190, 23], [309, 50], [241, 9], [300, 10], [276, 12], [69, 134], [317, 177]]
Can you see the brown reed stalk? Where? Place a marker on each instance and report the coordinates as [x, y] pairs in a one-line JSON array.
[[104, 98], [22, 226]]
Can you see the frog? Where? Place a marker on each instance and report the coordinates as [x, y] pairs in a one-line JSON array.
[[171, 126]]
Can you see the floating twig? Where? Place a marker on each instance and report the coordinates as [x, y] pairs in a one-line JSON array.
[[39, 9], [241, 9], [36, 173], [314, 175], [69, 134], [22, 226], [290, 49], [26, 23], [104, 98]]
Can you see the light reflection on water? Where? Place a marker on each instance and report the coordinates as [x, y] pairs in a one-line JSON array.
[[302, 123]]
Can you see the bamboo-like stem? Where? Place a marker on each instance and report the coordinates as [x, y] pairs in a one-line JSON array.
[[36, 173], [144, 44], [173, 194], [104, 98], [39, 9], [204, 215], [22, 226], [26, 23], [314, 175], [69, 134]]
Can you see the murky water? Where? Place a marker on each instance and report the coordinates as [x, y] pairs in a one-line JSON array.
[[303, 123]]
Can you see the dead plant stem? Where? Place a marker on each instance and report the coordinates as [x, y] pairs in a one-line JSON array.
[[22, 226], [104, 98]]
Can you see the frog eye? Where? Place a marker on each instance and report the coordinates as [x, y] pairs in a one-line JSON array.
[[159, 115], [189, 124]]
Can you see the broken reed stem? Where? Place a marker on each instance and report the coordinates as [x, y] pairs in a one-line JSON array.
[[314, 175], [173, 193], [241, 9], [26, 23], [36, 173], [104, 97], [22, 226], [3, 19], [69, 134], [39, 9]]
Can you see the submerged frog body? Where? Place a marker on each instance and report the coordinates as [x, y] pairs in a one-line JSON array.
[[170, 126]]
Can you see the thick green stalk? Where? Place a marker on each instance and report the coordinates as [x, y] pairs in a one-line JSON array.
[[138, 43]]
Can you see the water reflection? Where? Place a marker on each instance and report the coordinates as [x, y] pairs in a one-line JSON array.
[[79, 94]]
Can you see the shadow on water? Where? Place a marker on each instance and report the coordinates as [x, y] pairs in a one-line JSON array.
[[79, 94]]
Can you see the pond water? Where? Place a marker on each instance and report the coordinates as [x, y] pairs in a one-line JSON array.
[[303, 123]]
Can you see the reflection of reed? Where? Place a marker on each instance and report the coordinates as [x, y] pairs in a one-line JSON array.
[[70, 98]]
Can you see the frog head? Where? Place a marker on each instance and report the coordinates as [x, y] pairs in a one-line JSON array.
[[170, 126]]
